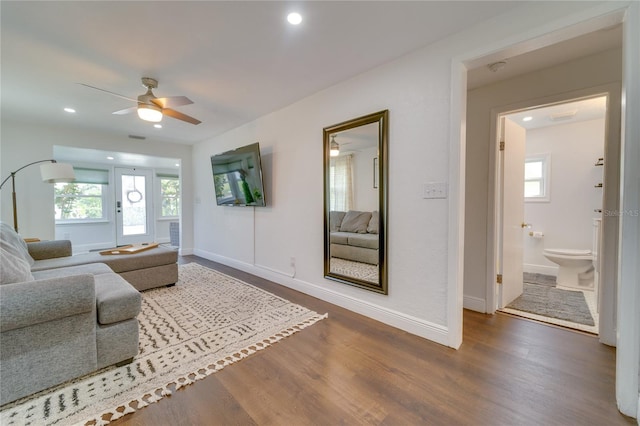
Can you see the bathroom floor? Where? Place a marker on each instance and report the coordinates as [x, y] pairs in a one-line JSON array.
[[591, 303]]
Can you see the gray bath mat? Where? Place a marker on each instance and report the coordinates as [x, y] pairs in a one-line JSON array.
[[542, 299]]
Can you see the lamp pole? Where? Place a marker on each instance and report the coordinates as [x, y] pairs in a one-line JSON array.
[[13, 188]]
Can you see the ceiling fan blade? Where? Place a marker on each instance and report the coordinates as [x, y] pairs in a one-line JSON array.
[[125, 111], [180, 116], [172, 101], [111, 93]]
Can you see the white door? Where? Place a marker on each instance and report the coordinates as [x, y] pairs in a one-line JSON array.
[[134, 206], [511, 209]]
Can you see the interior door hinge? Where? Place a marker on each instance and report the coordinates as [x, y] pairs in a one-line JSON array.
[[501, 145], [499, 278]]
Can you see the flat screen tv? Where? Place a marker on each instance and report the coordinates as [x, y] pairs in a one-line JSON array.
[[237, 177]]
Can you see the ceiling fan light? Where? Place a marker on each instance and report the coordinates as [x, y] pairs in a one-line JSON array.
[[149, 112], [334, 149]]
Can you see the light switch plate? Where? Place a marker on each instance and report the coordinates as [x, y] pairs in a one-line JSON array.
[[434, 190]]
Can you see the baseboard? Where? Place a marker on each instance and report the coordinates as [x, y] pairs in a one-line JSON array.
[[540, 269], [474, 304], [408, 323]]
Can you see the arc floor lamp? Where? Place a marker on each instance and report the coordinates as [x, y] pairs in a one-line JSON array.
[[51, 172]]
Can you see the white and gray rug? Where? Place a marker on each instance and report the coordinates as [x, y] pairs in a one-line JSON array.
[[187, 332], [363, 271]]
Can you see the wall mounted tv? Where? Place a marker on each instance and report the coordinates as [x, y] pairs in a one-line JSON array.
[[237, 177]]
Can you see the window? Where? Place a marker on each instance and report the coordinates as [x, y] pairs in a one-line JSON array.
[[169, 196], [84, 198], [536, 178]]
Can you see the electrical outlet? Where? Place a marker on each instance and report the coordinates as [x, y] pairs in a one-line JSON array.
[[292, 262], [434, 190]]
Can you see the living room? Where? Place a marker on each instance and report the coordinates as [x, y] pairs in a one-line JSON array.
[[425, 296]]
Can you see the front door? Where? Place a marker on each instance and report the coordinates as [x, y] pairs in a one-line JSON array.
[[134, 206]]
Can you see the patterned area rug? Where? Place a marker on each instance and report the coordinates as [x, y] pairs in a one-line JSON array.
[[363, 271], [187, 332], [548, 301]]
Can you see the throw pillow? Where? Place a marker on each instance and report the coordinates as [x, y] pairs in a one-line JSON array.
[[13, 269], [14, 244], [355, 221], [374, 223], [335, 220]]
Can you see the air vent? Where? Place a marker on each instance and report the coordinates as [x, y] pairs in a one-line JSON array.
[[137, 137], [567, 115]]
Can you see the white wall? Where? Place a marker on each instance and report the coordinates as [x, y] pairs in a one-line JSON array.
[[366, 196], [567, 219], [417, 91], [26, 142]]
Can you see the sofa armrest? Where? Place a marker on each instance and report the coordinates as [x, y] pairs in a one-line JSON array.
[[50, 249], [34, 302]]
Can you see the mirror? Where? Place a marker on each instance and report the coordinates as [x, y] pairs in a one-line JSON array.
[[355, 202]]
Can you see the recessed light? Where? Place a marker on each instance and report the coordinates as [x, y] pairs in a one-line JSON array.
[[158, 126], [69, 110], [527, 118], [110, 158], [294, 18], [177, 164]]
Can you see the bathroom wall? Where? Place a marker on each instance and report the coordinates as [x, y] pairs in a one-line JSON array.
[[567, 219]]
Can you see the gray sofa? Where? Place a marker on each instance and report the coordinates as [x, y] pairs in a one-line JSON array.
[[354, 236], [59, 324]]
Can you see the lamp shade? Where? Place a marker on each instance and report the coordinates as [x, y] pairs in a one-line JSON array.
[[57, 172], [334, 150], [149, 112]]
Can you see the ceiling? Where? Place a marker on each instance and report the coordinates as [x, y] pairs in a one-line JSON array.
[[235, 60], [563, 113]]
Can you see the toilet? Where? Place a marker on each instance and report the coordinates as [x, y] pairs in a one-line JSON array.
[[572, 265]]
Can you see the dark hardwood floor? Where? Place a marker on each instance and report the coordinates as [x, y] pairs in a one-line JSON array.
[[349, 369]]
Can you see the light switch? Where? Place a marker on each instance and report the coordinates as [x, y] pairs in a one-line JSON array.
[[434, 190]]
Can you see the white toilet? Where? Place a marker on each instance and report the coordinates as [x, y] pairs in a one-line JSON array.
[[572, 265]]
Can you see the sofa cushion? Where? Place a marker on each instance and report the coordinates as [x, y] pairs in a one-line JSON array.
[[335, 220], [355, 221], [374, 224], [90, 268], [13, 243], [13, 269], [116, 299], [369, 241], [339, 237]]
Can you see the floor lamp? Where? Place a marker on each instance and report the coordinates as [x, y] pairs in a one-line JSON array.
[[51, 172]]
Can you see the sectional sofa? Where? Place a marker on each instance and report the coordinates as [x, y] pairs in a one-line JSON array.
[[64, 316]]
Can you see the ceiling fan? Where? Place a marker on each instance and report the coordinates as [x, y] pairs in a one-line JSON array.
[[152, 108]]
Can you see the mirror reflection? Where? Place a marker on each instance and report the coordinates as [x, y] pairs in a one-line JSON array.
[[354, 203]]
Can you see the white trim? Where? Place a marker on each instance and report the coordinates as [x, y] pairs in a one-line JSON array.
[[455, 241], [475, 304], [411, 324], [628, 350]]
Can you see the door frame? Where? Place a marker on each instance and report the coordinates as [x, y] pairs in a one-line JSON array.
[[593, 19], [610, 225]]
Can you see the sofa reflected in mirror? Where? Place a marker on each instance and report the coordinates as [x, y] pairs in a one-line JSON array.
[[355, 202]]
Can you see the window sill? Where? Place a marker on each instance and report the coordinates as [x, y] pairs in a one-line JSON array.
[[81, 222]]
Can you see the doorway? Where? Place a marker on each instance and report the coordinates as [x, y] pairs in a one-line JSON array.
[[549, 196], [134, 206]]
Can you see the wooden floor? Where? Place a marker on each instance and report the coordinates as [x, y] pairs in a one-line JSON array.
[[350, 370]]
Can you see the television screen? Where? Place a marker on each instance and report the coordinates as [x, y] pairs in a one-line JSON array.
[[237, 177]]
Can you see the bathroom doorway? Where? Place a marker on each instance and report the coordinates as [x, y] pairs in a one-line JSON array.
[[549, 196]]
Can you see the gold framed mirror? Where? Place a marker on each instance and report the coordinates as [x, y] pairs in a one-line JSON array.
[[355, 202]]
